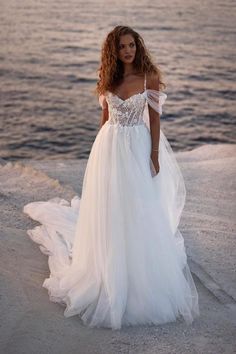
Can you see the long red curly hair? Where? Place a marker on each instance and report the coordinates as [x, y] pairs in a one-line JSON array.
[[111, 68]]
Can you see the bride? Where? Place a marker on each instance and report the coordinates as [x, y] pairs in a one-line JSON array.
[[115, 254]]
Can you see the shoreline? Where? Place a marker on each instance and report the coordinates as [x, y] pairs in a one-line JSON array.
[[64, 158]]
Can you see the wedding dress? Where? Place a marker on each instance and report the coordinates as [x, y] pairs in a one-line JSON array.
[[116, 255]]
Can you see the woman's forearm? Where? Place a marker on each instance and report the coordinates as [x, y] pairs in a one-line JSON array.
[[104, 117], [155, 132]]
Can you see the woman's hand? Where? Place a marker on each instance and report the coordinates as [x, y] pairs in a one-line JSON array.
[[155, 160]]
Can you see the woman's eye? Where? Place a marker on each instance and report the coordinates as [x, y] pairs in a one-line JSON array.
[[132, 44]]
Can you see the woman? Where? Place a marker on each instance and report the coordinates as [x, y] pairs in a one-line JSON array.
[[116, 256]]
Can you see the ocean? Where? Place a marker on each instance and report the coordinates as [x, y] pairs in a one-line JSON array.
[[49, 59]]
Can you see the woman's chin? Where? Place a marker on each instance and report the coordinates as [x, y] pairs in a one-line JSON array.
[[128, 61]]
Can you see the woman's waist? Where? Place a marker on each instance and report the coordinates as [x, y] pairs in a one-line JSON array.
[[126, 123]]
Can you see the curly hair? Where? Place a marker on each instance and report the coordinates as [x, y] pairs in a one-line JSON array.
[[111, 67]]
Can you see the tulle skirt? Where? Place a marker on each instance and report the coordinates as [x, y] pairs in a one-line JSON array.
[[115, 254]]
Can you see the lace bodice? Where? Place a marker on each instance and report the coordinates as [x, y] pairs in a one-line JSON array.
[[126, 112], [132, 111]]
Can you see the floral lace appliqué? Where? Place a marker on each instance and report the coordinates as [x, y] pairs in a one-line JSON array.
[[127, 112]]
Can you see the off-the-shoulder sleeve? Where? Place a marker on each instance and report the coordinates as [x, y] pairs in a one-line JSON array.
[[156, 99], [102, 101]]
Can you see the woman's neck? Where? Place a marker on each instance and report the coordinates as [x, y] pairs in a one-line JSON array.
[[128, 69]]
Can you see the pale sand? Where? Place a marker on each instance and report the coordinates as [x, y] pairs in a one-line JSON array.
[[31, 324]]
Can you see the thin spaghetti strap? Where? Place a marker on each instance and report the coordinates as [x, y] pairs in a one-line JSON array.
[[144, 81]]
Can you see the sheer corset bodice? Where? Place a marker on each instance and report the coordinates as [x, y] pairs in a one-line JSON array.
[[133, 110], [127, 112]]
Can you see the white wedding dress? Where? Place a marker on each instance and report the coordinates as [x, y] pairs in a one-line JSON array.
[[116, 255]]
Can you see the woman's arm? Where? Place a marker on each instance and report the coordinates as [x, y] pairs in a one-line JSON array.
[[154, 119], [104, 114]]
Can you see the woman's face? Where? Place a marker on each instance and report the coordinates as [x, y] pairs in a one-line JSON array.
[[127, 48]]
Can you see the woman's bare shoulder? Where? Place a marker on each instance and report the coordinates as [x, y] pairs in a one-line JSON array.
[[152, 81]]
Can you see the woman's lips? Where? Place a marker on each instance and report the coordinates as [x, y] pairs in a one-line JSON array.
[[128, 56]]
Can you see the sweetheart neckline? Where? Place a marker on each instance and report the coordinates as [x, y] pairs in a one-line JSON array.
[[136, 94]]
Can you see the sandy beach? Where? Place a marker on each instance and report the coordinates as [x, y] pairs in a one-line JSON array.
[[30, 323]]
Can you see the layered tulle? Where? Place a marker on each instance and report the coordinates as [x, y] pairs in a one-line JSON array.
[[116, 255]]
